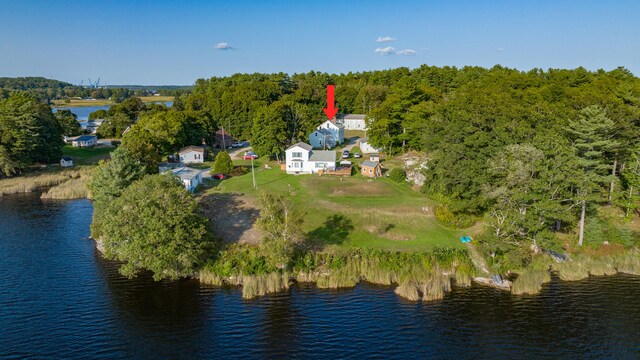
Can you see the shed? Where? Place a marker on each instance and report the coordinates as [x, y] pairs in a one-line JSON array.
[[371, 169], [66, 161], [374, 157]]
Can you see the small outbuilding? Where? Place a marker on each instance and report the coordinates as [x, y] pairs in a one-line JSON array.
[[371, 169], [66, 161], [374, 157], [85, 141]]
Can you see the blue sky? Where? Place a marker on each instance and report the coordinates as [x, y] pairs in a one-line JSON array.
[[174, 42]]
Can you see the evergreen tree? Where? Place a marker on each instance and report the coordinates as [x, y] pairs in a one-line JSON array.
[[592, 139], [223, 163]]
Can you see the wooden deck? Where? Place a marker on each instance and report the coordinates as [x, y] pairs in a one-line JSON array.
[[340, 171]]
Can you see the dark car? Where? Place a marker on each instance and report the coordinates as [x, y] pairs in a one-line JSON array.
[[219, 176], [345, 154], [237, 144]]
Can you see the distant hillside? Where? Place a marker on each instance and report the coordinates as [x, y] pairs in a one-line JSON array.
[[48, 90], [32, 83]]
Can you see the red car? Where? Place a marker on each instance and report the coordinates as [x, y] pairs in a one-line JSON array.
[[249, 155], [219, 176]]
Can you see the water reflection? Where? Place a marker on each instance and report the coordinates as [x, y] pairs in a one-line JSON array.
[[60, 299]]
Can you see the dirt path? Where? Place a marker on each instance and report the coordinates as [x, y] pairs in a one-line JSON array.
[[477, 258], [232, 217]]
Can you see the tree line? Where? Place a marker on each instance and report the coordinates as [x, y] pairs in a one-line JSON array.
[[49, 89]]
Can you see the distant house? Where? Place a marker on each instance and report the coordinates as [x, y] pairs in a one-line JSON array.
[[190, 177], [366, 147], [66, 161], [223, 139], [85, 141], [192, 154], [302, 159], [374, 157], [93, 125], [328, 132], [371, 169], [353, 121]]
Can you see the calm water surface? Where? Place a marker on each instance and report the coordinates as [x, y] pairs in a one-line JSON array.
[[59, 299], [82, 112]]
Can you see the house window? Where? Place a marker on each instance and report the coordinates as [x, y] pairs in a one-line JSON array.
[[321, 165], [296, 154], [296, 164], [370, 171]]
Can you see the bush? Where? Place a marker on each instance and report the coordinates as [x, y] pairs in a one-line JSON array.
[[223, 163], [397, 175], [448, 218]]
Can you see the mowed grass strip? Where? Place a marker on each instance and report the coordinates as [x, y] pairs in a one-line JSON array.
[[87, 155], [351, 212]]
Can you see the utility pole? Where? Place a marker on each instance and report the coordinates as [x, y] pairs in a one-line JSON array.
[[253, 174], [224, 142]]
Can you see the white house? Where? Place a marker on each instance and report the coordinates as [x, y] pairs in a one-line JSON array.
[[322, 139], [191, 154], [328, 132], [66, 161], [302, 159], [190, 177], [85, 141], [353, 122], [367, 148]]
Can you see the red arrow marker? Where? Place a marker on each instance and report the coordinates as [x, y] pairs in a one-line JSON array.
[[330, 110]]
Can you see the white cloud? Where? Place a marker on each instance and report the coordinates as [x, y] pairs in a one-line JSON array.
[[385, 51], [406, 52], [500, 49], [223, 46], [385, 39]]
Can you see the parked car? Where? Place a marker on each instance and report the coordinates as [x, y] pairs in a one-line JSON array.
[[237, 144], [357, 155], [219, 176], [345, 154], [248, 155]]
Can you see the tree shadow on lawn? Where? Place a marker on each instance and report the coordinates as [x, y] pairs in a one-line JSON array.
[[231, 217], [334, 231]]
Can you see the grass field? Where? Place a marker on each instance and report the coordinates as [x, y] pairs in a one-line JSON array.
[[87, 156], [350, 212], [103, 102]]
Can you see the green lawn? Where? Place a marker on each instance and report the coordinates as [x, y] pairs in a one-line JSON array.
[[353, 211], [88, 155]]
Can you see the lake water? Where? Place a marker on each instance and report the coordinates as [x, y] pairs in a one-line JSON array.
[[82, 112], [60, 299]]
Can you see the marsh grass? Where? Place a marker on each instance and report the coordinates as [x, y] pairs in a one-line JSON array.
[[31, 183], [530, 281], [70, 189], [628, 263], [582, 266], [429, 273], [252, 285], [260, 285]]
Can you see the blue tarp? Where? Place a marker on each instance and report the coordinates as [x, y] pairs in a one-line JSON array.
[[465, 239]]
